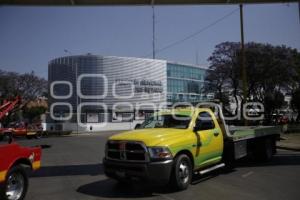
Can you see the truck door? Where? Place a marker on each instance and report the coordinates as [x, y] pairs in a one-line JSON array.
[[210, 140]]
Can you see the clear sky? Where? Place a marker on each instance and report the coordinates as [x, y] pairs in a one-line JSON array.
[[31, 36]]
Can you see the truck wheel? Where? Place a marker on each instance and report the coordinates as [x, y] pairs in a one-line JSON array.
[[15, 185], [182, 172], [265, 150], [268, 154], [228, 158]]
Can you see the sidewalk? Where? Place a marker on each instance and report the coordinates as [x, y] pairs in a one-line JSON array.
[[289, 142]]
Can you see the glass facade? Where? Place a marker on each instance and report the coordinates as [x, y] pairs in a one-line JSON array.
[[185, 83]]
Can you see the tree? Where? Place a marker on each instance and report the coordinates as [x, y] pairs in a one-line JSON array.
[[8, 84], [222, 74], [34, 112], [31, 86], [273, 101], [28, 85], [270, 71]]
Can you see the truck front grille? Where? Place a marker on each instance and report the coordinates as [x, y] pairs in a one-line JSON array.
[[126, 151]]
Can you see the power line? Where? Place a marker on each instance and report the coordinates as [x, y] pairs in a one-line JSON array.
[[194, 34]]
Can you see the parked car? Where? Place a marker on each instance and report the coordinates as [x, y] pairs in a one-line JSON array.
[[21, 129]]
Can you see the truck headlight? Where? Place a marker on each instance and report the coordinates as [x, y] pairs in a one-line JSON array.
[[160, 153]]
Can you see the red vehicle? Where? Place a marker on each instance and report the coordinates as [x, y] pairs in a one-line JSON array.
[[16, 129], [13, 161], [21, 129]]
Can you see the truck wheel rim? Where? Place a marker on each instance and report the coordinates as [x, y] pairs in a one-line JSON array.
[[184, 172], [15, 186]]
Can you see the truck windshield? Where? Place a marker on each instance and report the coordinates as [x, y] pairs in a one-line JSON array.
[[167, 121]]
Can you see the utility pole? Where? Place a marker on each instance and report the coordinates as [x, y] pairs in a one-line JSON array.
[[153, 29], [243, 66], [197, 57], [76, 76], [299, 10]]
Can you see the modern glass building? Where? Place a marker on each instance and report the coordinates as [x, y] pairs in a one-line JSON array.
[[94, 89], [185, 83]]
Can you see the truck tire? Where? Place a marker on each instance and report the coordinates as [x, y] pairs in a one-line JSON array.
[[15, 185], [182, 172], [265, 150], [228, 157], [268, 153]]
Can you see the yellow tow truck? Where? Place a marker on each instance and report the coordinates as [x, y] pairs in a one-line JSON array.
[[172, 145]]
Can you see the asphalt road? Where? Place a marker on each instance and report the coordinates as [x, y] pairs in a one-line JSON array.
[[72, 169]]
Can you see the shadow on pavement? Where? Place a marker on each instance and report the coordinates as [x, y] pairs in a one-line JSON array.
[[69, 170], [45, 146], [110, 188], [277, 160]]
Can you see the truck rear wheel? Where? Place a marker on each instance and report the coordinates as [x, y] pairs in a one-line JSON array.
[[265, 149], [268, 154], [182, 172], [15, 185]]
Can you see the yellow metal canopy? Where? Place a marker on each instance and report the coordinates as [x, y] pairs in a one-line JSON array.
[[135, 2]]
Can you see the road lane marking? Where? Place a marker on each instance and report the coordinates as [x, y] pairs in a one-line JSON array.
[[247, 174]]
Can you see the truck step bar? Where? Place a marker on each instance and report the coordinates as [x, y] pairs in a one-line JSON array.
[[202, 172]]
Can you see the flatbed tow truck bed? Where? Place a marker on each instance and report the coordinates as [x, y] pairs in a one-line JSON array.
[[239, 133]]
